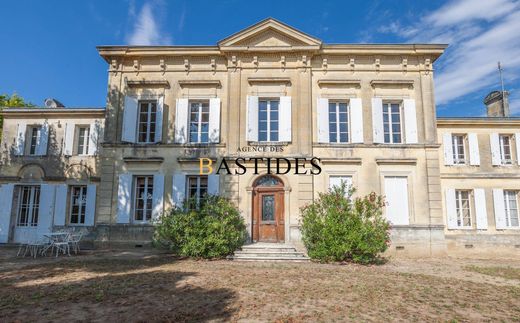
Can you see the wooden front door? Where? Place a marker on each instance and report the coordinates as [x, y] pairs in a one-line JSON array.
[[268, 211]]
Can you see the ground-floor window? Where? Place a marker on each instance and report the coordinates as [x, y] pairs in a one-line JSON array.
[[336, 181], [197, 189], [143, 196], [28, 206], [511, 208], [463, 207], [78, 204]]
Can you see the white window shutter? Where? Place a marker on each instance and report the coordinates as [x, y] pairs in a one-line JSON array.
[[93, 138], [181, 121], [284, 121], [46, 209], [356, 120], [124, 198], [474, 155], [60, 205], [448, 148], [130, 119], [6, 201], [500, 209], [323, 120], [410, 121], [213, 184], [396, 194], [214, 120], [90, 209], [494, 141], [252, 118], [158, 196], [451, 209], [159, 119], [19, 148], [517, 141], [480, 209], [43, 140], [68, 141], [178, 189], [377, 120]]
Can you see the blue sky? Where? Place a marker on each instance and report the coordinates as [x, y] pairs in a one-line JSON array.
[[48, 47]]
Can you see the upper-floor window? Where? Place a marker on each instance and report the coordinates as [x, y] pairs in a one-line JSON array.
[[146, 121], [511, 208], [459, 150], [392, 125], [143, 198], [506, 155], [34, 139], [83, 140], [199, 122], [268, 116], [463, 208], [197, 188], [78, 204], [338, 122]]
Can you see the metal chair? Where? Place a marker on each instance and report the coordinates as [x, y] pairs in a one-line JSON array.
[[75, 239]]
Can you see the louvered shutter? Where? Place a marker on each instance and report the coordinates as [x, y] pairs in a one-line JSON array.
[[356, 120]]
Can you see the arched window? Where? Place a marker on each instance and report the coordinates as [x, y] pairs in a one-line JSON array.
[[268, 180]]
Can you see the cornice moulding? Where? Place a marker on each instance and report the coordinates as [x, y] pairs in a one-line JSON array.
[[185, 83]]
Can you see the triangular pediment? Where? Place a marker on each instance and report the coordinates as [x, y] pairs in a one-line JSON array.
[[270, 33]]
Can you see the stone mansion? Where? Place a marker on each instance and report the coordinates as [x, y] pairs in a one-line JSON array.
[[366, 111]]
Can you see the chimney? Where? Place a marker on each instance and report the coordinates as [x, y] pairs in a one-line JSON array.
[[497, 104]]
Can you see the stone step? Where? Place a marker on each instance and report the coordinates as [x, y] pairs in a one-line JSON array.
[[269, 254], [274, 248], [271, 258]]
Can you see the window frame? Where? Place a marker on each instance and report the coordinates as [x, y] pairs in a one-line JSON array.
[[198, 187], [83, 193], [35, 137], [338, 123], [148, 182], [458, 209], [149, 135], [269, 131], [85, 144], [457, 160], [199, 122], [33, 206], [387, 108], [501, 144], [507, 208]]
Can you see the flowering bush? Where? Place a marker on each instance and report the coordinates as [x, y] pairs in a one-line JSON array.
[[336, 227], [215, 230]]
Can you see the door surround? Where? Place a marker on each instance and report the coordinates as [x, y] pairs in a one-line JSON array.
[[268, 190]]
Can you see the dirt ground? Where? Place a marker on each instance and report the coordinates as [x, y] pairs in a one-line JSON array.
[[146, 285]]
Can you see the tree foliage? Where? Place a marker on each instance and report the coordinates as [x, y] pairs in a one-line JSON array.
[[11, 101], [338, 227]]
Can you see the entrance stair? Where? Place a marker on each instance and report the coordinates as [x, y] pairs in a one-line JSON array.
[[269, 252]]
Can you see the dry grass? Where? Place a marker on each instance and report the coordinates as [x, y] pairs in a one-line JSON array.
[[504, 272], [155, 287]]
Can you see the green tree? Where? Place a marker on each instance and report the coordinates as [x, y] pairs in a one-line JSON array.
[[11, 101]]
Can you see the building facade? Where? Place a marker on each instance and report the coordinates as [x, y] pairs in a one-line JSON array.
[[281, 116]]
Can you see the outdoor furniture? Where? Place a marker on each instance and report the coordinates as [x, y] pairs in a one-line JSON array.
[[31, 244], [59, 241], [74, 241]]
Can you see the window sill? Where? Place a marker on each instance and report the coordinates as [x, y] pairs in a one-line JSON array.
[[268, 143]]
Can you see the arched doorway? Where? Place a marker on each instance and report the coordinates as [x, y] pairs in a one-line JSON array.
[[268, 210]]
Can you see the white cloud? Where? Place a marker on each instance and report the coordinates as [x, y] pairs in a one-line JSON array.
[[146, 29], [480, 34]]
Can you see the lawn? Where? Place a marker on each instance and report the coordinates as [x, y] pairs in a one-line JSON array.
[[149, 286]]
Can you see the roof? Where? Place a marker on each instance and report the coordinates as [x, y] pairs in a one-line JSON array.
[[19, 111], [478, 121]]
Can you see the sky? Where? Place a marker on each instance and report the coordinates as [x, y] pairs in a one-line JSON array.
[[48, 48]]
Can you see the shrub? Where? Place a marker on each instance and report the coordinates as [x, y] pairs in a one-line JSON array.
[[215, 230], [336, 227]]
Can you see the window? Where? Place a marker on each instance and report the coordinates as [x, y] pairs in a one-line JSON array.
[[83, 140], [143, 197], [197, 189], [268, 120], [35, 138], [505, 149], [339, 180], [28, 206], [146, 122], [511, 208], [338, 122], [392, 123], [463, 207], [199, 122], [78, 204], [459, 154]]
